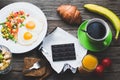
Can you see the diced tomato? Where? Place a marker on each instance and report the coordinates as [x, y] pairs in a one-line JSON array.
[[14, 30], [19, 21], [9, 18], [21, 12], [28, 15], [22, 20], [8, 24], [15, 14]]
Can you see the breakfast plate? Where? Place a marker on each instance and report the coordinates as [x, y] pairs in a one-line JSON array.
[[36, 15]]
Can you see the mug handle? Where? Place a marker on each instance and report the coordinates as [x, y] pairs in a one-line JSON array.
[[105, 43]]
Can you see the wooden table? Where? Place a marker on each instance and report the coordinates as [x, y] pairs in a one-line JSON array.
[[49, 8]]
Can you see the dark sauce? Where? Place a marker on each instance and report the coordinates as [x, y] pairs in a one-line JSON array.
[[96, 30]]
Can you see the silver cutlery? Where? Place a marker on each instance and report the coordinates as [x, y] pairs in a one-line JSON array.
[[35, 66]]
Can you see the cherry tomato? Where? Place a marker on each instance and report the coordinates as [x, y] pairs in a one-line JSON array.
[[99, 70], [106, 62]]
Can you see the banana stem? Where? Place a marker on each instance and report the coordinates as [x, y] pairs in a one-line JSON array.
[[117, 34]]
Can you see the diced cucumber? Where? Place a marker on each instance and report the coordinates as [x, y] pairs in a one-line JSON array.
[[1, 56]]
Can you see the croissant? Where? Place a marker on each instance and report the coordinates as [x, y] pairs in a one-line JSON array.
[[70, 14]]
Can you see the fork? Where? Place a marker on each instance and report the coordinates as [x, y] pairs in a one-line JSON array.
[[35, 66]]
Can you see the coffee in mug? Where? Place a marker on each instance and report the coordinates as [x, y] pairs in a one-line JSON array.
[[97, 30]]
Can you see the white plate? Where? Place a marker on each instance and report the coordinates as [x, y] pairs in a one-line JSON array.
[[35, 12]]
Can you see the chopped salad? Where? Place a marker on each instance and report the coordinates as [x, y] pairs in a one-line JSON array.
[[12, 24]]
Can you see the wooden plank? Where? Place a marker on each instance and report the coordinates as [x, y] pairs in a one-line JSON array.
[[49, 7], [15, 76], [106, 76], [65, 76]]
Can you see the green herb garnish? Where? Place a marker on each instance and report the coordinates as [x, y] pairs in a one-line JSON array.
[[1, 56], [2, 23], [22, 25], [23, 17]]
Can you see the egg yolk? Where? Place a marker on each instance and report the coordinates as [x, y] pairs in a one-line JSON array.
[[30, 25], [27, 36]]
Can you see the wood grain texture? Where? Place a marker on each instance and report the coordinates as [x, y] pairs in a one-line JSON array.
[[49, 8]]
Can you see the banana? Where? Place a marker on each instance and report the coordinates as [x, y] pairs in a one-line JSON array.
[[112, 17]]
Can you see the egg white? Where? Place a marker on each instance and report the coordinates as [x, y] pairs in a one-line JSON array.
[[38, 24], [21, 39]]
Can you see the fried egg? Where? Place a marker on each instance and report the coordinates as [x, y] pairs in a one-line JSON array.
[[33, 24], [26, 37]]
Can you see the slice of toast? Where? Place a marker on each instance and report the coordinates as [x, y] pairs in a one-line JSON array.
[[28, 62], [48, 73]]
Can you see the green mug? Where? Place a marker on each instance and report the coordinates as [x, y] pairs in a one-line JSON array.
[[97, 30]]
